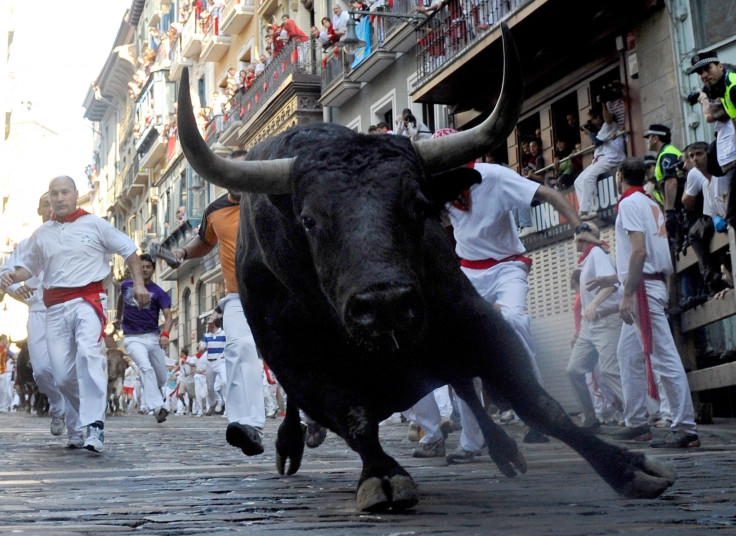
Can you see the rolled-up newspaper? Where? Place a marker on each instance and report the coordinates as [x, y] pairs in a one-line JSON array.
[[159, 252]]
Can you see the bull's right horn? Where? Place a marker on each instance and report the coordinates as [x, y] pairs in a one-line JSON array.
[[442, 154], [258, 176]]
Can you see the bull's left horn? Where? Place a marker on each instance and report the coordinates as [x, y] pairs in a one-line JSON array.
[[258, 176], [441, 154]]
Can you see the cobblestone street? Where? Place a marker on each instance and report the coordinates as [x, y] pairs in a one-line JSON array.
[[182, 478]]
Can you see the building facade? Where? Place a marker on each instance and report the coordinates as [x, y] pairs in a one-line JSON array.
[[443, 64]]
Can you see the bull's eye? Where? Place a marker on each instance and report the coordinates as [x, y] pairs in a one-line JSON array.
[[308, 222]]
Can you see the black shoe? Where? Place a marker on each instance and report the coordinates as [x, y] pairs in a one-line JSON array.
[[245, 437], [160, 414], [641, 432], [677, 440]]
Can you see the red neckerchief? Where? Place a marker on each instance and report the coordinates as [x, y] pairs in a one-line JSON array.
[[70, 217], [588, 249], [629, 192], [463, 200]]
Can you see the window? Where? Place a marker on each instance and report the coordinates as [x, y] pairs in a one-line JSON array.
[[713, 21]]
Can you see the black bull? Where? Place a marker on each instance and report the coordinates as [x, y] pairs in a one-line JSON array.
[[356, 300]]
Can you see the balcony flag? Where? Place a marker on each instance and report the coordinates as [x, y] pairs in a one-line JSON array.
[[363, 31]]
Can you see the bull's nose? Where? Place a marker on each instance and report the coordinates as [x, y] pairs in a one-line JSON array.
[[384, 310]]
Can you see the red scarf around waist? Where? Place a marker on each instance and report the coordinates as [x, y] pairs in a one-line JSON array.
[[484, 264], [89, 293], [645, 325]]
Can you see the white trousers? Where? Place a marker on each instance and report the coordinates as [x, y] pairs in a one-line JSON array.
[[585, 184], [666, 365], [243, 367], [596, 343], [43, 372], [6, 395], [216, 381], [150, 358], [200, 391], [427, 416], [506, 286], [73, 331]]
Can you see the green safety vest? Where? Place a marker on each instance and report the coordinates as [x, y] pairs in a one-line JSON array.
[[667, 149], [729, 106]]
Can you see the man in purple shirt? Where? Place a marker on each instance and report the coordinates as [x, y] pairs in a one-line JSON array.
[[144, 343]]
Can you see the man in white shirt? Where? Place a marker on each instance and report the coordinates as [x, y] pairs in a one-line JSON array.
[[610, 150], [646, 348], [599, 333], [72, 250], [340, 21], [43, 372], [492, 257], [715, 196]]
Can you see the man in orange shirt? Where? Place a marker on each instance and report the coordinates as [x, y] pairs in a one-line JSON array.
[[244, 392]]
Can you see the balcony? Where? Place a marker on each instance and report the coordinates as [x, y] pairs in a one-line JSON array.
[[235, 16], [337, 87], [214, 45], [191, 38], [178, 63], [459, 46], [290, 77], [135, 179], [153, 150]]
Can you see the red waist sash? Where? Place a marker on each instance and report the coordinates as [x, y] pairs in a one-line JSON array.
[[484, 264], [89, 293]]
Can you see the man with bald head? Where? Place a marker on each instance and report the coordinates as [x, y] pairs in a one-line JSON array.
[[72, 250]]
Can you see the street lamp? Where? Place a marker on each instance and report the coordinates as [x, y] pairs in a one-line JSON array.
[[351, 43]]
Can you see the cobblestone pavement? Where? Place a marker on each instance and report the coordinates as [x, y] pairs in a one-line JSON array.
[[182, 478]]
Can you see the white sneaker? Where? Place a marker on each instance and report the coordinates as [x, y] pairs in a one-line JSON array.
[[58, 425], [95, 439], [75, 443]]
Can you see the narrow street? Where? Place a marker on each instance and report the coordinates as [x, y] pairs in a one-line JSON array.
[[182, 478]]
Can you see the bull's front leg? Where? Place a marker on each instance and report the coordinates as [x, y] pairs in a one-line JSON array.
[[508, 370], [290, 440], [384, 484]]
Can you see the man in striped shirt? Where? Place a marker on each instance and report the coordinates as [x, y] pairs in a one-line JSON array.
[[213, 344]]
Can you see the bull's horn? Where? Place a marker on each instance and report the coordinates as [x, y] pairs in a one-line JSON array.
[[259, 176], [441, 154]]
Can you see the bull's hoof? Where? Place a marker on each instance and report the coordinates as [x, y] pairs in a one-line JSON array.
[[390, 493], [314, 435], [650, 480], [506, 465]]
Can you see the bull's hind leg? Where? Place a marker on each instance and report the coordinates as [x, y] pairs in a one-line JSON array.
[[501, 447], [508, 370]]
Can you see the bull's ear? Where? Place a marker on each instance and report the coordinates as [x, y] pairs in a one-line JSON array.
[[444, 187]]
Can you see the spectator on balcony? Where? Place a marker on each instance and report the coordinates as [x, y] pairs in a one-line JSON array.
[[566, 168], [327, 36], [261, 65], [181, 214], [340, 21], [610, 150], [290, 30], [535, 163], [383, 128], [184, 10], [372, 129], [409, 126], [712, 216]]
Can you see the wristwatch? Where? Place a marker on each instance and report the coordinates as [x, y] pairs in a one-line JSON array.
[[582, 228]]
